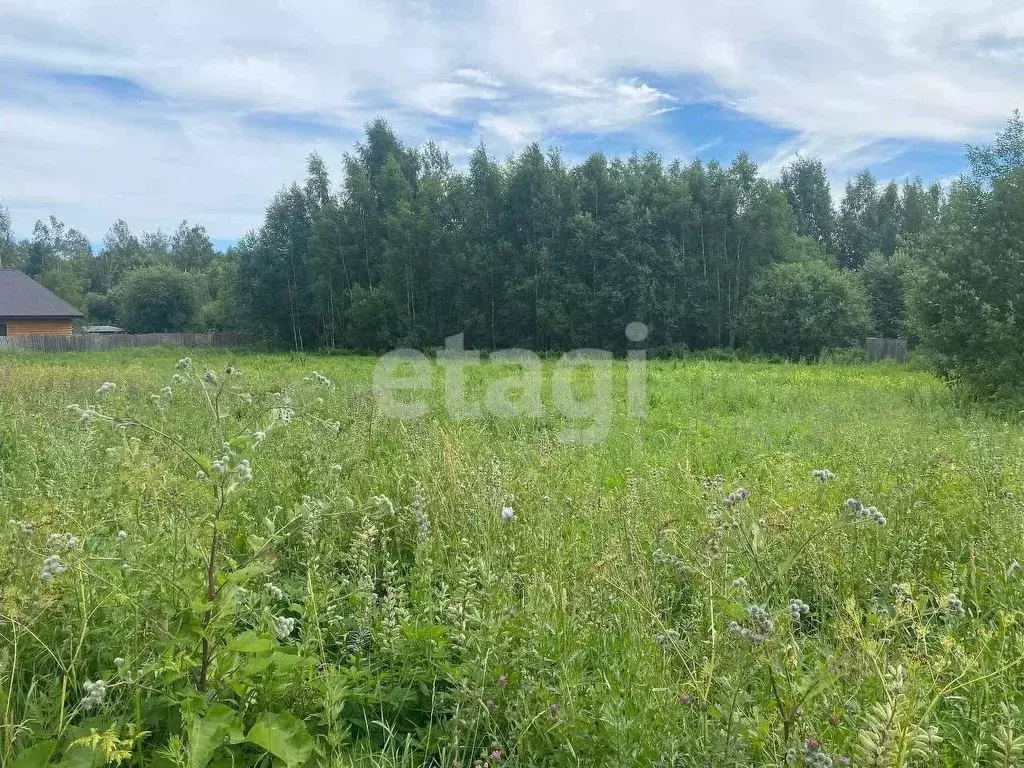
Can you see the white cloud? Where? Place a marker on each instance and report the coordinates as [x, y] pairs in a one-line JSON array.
[[851, 80]]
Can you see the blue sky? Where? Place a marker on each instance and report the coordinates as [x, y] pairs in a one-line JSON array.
[[157, 112]]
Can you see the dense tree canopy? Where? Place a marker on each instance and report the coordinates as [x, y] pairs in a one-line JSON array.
[[533, 251], [969, 288]]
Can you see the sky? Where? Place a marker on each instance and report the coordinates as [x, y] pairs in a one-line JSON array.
[[156, 112]]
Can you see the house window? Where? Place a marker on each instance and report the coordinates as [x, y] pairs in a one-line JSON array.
[[3, 329]]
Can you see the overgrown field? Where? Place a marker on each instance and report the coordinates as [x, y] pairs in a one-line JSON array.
[[374, 601]]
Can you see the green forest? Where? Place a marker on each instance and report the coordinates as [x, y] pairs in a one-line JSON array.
[[536, 252]]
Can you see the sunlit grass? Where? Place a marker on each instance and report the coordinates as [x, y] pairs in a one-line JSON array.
[[591, 630]]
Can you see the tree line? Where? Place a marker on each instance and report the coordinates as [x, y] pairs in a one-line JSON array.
[[536, 252]]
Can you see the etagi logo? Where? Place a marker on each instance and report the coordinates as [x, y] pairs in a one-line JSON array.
[[402, 376]]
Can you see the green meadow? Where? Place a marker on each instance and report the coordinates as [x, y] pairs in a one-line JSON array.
[[446, 592]]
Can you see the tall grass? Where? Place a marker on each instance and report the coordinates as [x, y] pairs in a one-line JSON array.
[[609, 623]]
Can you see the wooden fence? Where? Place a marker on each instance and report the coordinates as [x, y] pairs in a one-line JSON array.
[[83, 342], [887, 349]]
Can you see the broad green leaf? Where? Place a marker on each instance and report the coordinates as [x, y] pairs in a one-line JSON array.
[[250, 642], [284, 736], [36, 756], [207, 734]]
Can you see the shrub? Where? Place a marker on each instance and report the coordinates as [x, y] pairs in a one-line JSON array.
[[799, 309], [157, 299], [966, 298]]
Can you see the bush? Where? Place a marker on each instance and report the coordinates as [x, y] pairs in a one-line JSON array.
[[966, 298], [799, 309], [157, 299], [884, 282]]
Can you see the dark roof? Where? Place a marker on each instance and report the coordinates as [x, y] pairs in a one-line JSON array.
[[21, 296]]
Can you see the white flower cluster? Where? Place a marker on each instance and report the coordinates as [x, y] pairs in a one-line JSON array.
[[122, 537], [86, 414], [246, 398], [62, 540], [284, 626], [319, 378], [740, 583], [94, 694], [823, 475], [106, 387], [52, 566], [661, 557], [25, 529], [763, 626], [736, 497], [273, 591], [870, 513], [956, 607], [335, 427], [210, 377], [178, 379], [667, 637], [244, 471], [798, 609], [184, 364], [258, 437], [419, 512], [508, 514]]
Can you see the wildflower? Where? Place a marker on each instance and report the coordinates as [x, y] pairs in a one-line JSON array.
[[686, 699], [335, 427], [419, 512], [246, 398], [503, 680], [666, 637], [184, 363], [25, 529], [508, 514], [321, 379], [106, 387], [740, 583], [284, 626], [854, 505], [210, 377], [244, 471], [94, 694], [233, 371], [125, 567], [258, 437], [843, 760], [178, 378], [52, 566], [496, 755], [119, 661], [221, 464], [166, 392], [956, 607], [736, 497], [814, 756], [200, 475], [490, 704], [823, 475], [273, 590], [553, 708], [798, 608], [833, 720], [122, 536]]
